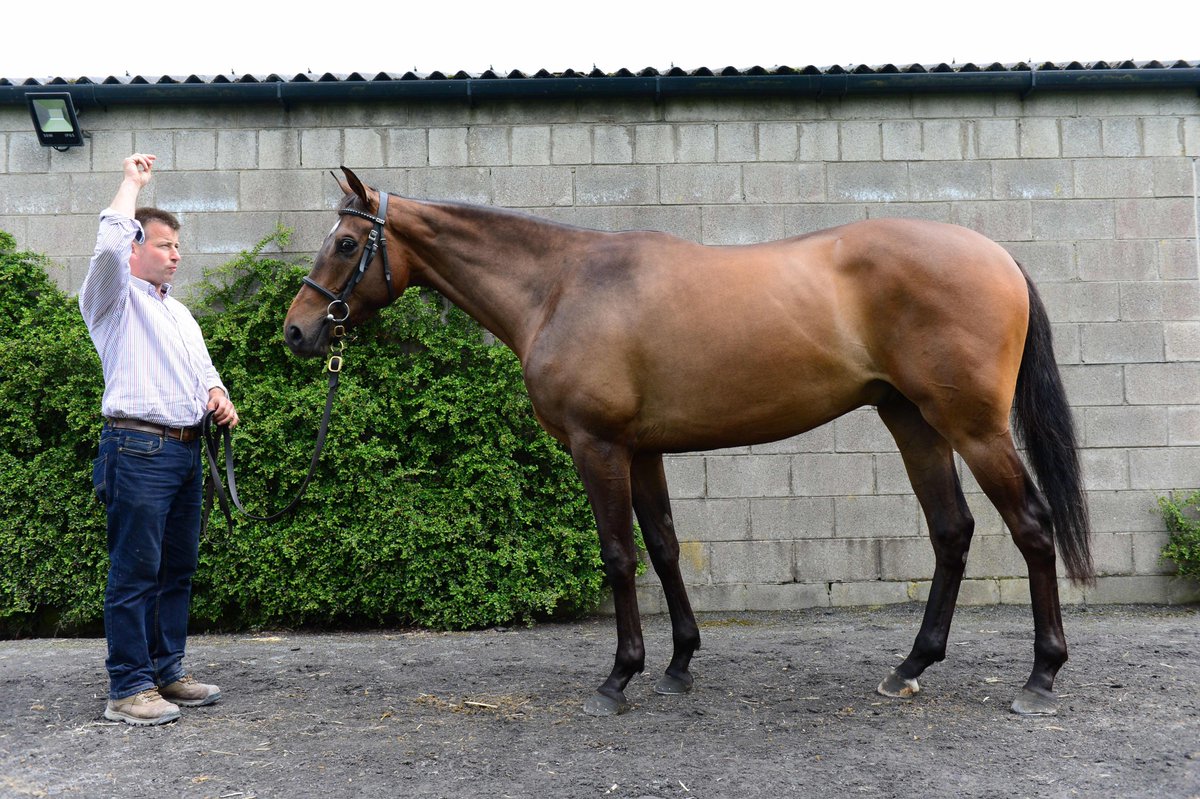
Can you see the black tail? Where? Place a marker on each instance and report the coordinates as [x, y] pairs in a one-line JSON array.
[[1043, 421]]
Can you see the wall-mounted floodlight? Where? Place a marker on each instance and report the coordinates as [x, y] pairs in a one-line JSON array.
[[54, 119]]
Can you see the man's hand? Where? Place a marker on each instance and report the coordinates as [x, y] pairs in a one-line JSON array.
[[222, 408], [138, 168]]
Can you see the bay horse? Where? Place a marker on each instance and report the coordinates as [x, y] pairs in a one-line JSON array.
[[635, 344]]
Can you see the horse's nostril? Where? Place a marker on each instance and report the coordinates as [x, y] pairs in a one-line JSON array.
[[293, 336]]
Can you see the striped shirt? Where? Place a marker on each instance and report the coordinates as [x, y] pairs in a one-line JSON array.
[[156, 366]]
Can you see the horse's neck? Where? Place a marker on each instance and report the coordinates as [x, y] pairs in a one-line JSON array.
[[490, 263]]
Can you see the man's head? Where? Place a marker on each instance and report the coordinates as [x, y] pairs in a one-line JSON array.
[[156, 259]]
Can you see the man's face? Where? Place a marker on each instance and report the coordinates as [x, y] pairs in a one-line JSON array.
[[157, 259]]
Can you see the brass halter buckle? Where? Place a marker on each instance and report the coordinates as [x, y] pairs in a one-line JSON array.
[[334, 364]]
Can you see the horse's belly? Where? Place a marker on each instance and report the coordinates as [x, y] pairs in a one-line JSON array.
[[750, 402]]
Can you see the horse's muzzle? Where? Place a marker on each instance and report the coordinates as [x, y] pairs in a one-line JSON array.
[[303, 345]]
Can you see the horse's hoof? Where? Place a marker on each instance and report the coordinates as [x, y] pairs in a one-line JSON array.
[[670, 685], [1031, 702], [599, 704], [898, 687]]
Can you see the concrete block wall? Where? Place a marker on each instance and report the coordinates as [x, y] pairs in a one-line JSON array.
[[1095, 193]]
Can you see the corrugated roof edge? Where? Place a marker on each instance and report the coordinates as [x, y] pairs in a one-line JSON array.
[[726, 71], [809, 80]]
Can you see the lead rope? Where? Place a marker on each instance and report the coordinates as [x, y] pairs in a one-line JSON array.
[[215, 435]]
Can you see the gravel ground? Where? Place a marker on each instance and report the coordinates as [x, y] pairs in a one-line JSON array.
[[784, 705]]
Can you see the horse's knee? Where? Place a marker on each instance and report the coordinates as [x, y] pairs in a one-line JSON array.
[[663, 548], [619, 563]]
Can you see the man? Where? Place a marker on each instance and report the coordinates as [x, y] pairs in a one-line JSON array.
[[158, 382]]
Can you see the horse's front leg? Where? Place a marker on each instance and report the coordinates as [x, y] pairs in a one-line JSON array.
[[652, 504], [604, 468]]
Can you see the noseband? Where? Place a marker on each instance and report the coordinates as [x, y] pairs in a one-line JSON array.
[[375, 242]]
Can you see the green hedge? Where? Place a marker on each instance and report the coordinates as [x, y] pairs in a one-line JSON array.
[[439, 501], [1181, 513]]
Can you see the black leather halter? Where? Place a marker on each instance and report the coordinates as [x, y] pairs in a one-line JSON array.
[[375, 243]]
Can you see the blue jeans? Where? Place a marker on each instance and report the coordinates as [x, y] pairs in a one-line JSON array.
[[151, 489]]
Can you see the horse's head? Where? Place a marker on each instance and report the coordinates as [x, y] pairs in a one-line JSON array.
[[353, 275]]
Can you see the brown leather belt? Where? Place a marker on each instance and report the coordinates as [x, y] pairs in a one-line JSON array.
[[184, 434]]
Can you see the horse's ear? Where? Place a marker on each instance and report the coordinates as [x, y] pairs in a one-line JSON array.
[[341, 183], [356, 185]]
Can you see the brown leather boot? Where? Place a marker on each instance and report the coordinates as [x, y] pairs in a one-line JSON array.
[[144, 709], [190, 692]]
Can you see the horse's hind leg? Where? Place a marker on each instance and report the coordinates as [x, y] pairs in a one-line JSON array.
[[653, 508], [1003, 477], [929, 461]]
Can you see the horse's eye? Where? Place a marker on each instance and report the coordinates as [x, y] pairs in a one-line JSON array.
[[347, 245]]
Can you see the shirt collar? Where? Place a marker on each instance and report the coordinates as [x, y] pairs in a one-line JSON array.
[[147, 287]]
